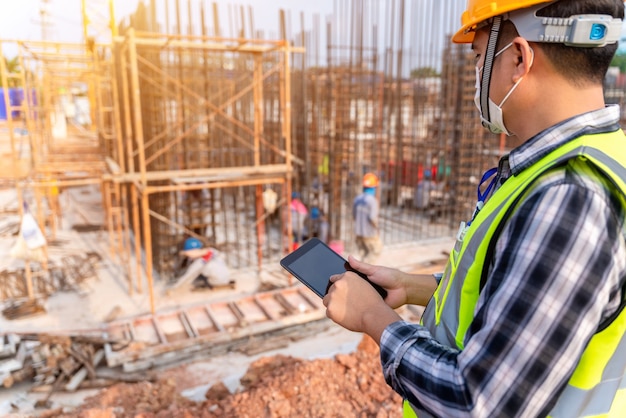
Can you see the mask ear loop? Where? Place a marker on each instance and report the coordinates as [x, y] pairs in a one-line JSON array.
[[532, 60], [490, 54]]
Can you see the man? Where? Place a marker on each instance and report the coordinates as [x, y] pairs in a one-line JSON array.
[[316, 224], [425, 186], [207, 269], [365, 215], [528, 319], [299, 212]]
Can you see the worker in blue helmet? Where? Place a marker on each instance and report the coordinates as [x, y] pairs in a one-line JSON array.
[[207, 270], [316, 224]]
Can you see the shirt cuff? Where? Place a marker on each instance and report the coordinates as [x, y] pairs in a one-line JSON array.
[[397, 338]]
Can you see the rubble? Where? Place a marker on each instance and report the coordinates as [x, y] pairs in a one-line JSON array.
[[55, 363], [348, 385]]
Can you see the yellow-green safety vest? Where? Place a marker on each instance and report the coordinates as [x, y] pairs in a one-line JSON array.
[[597, 387]]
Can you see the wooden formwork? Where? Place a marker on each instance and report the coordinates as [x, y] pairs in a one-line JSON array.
[[210, 327], [184, 133]]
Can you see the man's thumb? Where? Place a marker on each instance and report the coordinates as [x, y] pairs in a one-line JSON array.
[[361, 266]]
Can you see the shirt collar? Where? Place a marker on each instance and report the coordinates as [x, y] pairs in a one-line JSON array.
[[531, 151]]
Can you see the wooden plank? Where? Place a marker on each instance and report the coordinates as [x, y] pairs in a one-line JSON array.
[[201, 322], [81, 374], [14, 363], [131, 331], [267, 313], [189, 326], [252, 311], [272, 305], [307, 295], [211, 315], [173, 327], [280, 297], [8, 345], [234, 307], [158, 329]]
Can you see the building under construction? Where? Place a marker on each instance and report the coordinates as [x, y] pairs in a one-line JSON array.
[[188, 132]]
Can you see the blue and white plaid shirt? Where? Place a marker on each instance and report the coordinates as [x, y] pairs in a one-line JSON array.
[[557, 273]]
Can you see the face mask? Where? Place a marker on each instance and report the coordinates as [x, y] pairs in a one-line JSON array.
[[496, 124]]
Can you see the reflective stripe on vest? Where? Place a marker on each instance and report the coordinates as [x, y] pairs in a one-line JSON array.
[[600, 375]]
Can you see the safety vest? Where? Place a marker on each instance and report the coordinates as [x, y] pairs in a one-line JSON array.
[[597, 387]]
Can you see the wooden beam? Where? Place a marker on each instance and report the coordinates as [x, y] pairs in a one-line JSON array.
[[202, 174], [215, 185]]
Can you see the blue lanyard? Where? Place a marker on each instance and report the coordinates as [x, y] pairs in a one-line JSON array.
[[489, 174]]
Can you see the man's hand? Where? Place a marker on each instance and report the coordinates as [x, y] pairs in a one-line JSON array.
[[355, 305], [389, 278], [402, 288]]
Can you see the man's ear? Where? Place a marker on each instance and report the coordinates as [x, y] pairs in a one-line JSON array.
[[524, 56]]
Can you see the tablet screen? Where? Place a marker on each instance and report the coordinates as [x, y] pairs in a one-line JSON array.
[[313, 264]]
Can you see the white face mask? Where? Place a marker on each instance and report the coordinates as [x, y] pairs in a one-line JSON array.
[[496, 124]]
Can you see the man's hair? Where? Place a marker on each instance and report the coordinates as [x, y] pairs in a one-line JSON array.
[[578, 64], [581, 65]]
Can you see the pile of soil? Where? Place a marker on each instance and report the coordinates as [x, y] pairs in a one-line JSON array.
[[349, 385]]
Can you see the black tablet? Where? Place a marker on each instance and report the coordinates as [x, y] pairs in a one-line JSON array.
[[314, 262]]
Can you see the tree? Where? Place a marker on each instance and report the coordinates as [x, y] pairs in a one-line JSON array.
[[13, 67], [619, 60], [423, 72]]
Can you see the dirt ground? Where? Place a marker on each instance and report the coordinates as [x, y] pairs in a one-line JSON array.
[[348, 385]]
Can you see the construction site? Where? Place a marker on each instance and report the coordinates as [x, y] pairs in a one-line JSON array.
[[189, 119]]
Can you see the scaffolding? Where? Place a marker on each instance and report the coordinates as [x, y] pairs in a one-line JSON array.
[[48, 151], [196, 153]]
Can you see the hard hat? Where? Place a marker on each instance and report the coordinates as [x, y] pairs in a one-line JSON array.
[[192, 244], [480, 10], [586, 30], [370, 180]]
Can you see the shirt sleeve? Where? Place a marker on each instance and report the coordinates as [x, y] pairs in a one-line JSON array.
[[546, 294]]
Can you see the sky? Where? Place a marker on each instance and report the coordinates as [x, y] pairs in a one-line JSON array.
[[21, 19]]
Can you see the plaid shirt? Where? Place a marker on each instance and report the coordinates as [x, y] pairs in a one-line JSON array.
[[557, 272]]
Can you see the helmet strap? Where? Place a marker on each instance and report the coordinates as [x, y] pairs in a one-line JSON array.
[[490, 54]]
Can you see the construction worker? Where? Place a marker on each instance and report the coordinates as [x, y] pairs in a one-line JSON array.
[[318, 224], [365, 214], [528, 318], [207, 270], [421, 199], [299, 213]]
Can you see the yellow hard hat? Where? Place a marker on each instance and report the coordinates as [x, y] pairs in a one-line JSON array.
[[370, 180], [480, 10]]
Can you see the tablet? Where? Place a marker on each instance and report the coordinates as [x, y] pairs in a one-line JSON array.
[[314, 262]]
